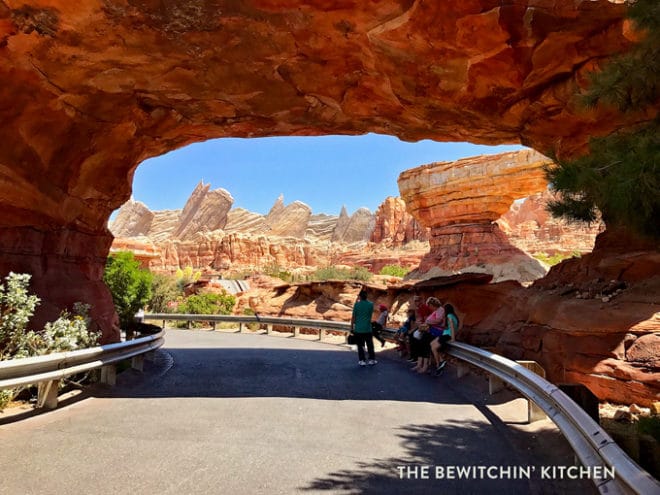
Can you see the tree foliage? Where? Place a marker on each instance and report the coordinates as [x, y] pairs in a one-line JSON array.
[[208, 304], [129, 285], [164, 290], [620, 176]]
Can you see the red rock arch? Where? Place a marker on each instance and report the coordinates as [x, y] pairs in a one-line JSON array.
[[92, 88]]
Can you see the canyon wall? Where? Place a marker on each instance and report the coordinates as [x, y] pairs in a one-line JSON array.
[[92, 89]]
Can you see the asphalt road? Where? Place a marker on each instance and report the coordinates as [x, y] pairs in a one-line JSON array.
[[225, 413]]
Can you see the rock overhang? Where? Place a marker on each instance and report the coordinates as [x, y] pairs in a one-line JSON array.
[[93, 88]]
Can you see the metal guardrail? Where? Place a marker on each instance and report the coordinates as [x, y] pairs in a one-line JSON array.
[[45, 371], [592, 445]]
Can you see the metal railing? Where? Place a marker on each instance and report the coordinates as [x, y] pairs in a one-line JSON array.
[[46, 371], [592, 445]]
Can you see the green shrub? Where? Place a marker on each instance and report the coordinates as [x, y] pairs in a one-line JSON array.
[[164, 290], [208, 304], [16, 308], [394, 271], [556, 258], [333, 273], [129, 285], [69, 332], [276, 271]]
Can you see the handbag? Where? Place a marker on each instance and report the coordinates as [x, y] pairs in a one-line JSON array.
[[350, 339]]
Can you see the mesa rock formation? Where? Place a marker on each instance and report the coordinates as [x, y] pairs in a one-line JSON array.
[[460, 201], [90, 92], [210, 235]]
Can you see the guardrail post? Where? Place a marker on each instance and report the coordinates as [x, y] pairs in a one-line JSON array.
[[296, 331], [534, 412], [494, 384], [321, 334], [109, 375], [47, 394], [163, 324], [188, 324], [462, 370], [213, 325], [240, 327], [137, 362], [269, 329]]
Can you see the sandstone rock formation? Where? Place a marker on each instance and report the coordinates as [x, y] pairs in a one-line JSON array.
[[290, 220], [89, 92], [530, 227], [394, 226], [354, 228], [133, 219], [205, 211], [460, 202]]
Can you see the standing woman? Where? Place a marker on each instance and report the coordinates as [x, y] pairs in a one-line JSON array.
[[361, 328], [448, 334]]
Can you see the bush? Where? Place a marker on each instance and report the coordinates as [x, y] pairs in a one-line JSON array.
[[276, 271], [69, 332], [186, 276], [555, 259], [208, 304], [394, 271], [333, 273], [129, 285], [164, 290], [16, 308]]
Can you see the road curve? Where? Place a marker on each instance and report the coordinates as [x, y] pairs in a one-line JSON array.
[[225, 413]]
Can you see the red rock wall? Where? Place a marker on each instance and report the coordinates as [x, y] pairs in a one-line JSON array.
[[92, 88]]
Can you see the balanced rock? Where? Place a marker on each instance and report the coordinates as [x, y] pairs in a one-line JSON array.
[[460, 201]]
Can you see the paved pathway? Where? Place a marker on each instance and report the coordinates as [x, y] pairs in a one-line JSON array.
[[225, 413]]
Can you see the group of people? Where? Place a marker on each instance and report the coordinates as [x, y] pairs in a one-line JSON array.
[[425, 333]]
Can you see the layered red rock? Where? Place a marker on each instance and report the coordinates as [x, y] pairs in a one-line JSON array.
[[460, 201], [394, 226], [529, 226], [90, 90]]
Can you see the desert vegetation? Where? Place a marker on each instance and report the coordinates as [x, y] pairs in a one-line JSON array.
[[69, 332]]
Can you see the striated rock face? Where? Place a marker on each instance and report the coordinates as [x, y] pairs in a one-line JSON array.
[[394, 226], [133, 219], [204, 211], [162, 226], [290, 220], [89, 92], [530, 227], [354, 228], [460, 201]]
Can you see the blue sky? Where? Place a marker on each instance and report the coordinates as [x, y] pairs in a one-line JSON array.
[[325, 172]]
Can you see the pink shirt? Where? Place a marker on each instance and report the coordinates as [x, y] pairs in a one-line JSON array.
[[437, 318]]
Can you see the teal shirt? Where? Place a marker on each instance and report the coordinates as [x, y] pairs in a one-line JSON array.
[[362, 312], [447, 331]]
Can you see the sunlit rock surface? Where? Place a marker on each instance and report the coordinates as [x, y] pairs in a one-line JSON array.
[[460, 201], [92, 88]]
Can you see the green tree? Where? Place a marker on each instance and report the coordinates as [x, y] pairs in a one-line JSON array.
[[620, 175], [164, 289], [129, 285]]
